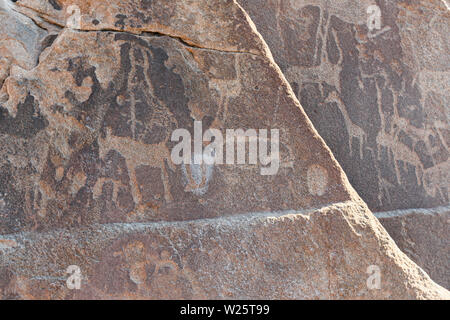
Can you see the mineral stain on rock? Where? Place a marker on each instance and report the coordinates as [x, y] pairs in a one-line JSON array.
[[363, 91]]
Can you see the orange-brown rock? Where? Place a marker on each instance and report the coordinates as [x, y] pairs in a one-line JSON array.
[[424, 235], [378, 97]]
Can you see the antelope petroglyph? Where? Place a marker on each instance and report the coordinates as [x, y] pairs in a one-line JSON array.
[[137, 153]]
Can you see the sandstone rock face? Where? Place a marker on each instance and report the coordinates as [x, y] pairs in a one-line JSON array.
[[87, 180], [424, 235], [378, 95], [323, 254], [19, 41]]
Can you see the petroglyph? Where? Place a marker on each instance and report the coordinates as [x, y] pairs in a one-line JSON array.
[[377, 94], [227, 89], [86, 179], [197, 176], [135, 154], [353, 130], [138, 259], [104, 119]]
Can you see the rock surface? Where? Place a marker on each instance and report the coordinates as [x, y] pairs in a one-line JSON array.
[[87, 180], [101, 127], [380, 99], [320, 254], [19, 41], [424, 235]]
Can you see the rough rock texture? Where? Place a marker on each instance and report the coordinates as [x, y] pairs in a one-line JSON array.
[[424, 235], [100, 129], [86, 177], [321, 254], [379, 98]]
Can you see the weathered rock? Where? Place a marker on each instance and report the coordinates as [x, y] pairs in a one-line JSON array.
[[194, 22], [379, 98], [86, 176], [19, 41], [321, 254], [101, 126], [424, 235]]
